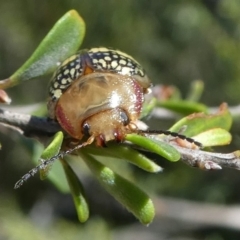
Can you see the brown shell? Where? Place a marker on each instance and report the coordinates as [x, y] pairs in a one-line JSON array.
[[98, 92], [95, 93]]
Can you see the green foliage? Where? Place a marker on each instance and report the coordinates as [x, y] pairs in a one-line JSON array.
[[62, 41], [49, 152], [77, 192], [221, 119], [183, 107], [128, 154], [127, 193], [152, 145]]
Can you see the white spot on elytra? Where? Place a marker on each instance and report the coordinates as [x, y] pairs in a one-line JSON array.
[[123, 62], [118, 68], [72, 71], [95, 60], [66, 72], [125, 70], [107, 58], [114, 64], [64, 81], [57, 93], [102, 62]]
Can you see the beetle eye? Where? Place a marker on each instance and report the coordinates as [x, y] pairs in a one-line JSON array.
[[85, 129], [124, 118]]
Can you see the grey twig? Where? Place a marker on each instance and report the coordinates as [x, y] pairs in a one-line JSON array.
[[209, 160], [30, 126], [39, 127]]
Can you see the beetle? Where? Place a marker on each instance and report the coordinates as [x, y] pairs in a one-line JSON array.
[[97, 94]]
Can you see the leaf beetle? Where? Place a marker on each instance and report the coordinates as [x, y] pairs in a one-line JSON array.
[[99, 93]]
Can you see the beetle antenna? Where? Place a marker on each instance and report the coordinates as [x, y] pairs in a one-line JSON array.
[[44, 163], [173, 134]]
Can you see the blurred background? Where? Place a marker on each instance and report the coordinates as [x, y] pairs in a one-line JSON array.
[[177, 42]]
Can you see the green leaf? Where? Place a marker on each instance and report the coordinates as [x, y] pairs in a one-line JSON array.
[[62, 41], [200, 122], [50, 151], [54, 147], [129, 195], [195, 91], [77, 191], [214, 137], [135, 158], [183, 106], [56, 175], [127, 154], [151, 144]]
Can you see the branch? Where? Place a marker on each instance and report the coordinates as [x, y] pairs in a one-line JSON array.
[[39, 127], [30, 126], [209, 160]]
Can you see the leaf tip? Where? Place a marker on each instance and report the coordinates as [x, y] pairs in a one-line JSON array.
[[147, 213], [73, 13]]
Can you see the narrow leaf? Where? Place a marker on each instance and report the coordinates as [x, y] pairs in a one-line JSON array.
[[200, 122], [77, 191], [214, 137], [136, 158], [195, 91], [128, 154], [159, 147], [56, 175], [54, 147], [129, 195], [183, 106], [62, 41]]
